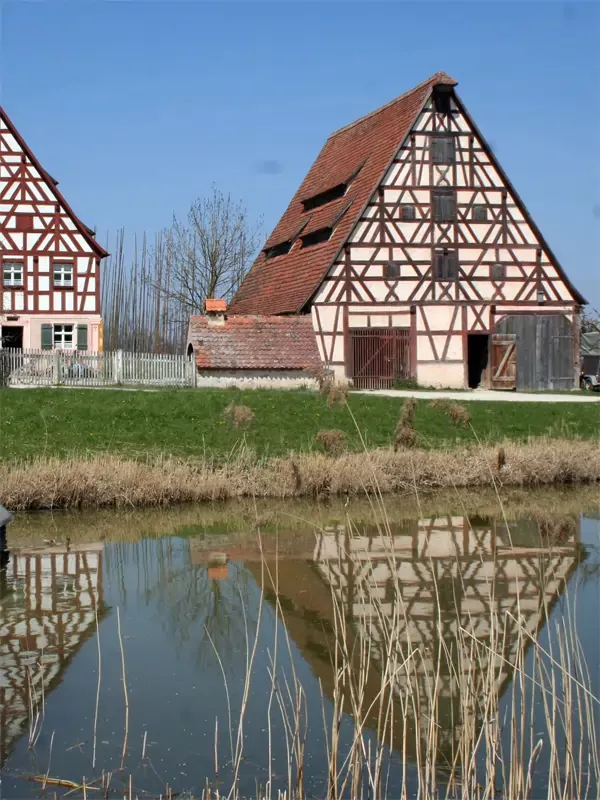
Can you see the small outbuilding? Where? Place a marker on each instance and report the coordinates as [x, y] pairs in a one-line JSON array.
[[257, 351]]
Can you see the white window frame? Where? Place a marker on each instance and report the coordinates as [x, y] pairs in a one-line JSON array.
[[65, 270], [13, 266], [59, 334]]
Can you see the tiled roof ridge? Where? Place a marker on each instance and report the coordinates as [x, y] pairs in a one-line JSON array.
[[433, 79], [275, 318]]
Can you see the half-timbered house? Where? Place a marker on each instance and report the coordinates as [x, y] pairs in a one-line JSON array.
[[50, 601], [50, 260], [417, 259]]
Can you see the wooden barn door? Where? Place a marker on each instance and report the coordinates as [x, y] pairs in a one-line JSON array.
[[379, 357], [504, 361]]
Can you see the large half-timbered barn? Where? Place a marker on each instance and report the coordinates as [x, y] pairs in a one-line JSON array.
[[50, 260], [417, 259]]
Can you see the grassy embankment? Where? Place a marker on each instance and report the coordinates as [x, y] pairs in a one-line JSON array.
[[74, 448]]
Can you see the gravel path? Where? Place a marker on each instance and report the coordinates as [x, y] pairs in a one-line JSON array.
[[487, 395]]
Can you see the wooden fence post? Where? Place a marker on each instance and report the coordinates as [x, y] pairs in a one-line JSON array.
[[192, 372], [56, 368], [118, 366]]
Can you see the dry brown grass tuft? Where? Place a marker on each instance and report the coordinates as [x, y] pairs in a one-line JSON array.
[[106, 480], [338, 393], [238, 416], [407, 414], [456, 413], [500, 458], [332, 442], [333, 390], [555, 531], [405, 434]]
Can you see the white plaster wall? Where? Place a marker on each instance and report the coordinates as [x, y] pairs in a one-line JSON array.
[[255, 379], [32, 327], [441, 376]]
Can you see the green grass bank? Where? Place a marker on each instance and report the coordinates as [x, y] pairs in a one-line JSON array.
[[78, 422]]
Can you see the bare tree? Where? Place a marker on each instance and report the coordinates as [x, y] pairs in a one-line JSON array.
[[148, 296], [590, 321], [209, 253]]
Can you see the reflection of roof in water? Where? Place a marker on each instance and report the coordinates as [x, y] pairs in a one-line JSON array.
[[47, 599], [463, 560]]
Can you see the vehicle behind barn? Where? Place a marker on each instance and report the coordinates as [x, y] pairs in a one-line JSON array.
[[590, 361]]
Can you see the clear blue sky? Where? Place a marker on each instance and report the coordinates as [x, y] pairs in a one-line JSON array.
[[138, 107]]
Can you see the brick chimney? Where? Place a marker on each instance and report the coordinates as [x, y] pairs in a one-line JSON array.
[[215, 311]]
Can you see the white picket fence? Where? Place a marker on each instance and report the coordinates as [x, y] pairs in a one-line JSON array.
[[74, 368]]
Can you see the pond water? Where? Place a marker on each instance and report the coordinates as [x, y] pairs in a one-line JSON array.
[[165, 651]]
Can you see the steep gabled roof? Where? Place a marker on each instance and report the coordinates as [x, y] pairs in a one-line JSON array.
[[254, 342], [357, 155], [52, 183]]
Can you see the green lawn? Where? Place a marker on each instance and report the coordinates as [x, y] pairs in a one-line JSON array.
[[189, 423]]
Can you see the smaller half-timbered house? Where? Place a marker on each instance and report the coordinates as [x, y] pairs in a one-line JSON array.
[[416, 259], [49, 260]]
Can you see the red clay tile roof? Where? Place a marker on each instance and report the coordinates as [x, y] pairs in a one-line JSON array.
[[254, 342], [284, 284]]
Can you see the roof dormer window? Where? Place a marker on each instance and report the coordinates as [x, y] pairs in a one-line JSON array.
[[325, 197], [332, 193], [278, 250], [317, 237]]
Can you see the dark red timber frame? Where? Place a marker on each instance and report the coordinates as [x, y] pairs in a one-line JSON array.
[[56, 240]]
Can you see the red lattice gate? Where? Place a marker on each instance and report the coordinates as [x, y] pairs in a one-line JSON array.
[[379, 357]]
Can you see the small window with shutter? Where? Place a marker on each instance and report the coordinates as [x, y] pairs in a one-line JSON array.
[[442, 149], [446, 265], [47, 339], [480, 213], [407, 212], [498, 272], [444, 204], [82, 337], [391, 270]]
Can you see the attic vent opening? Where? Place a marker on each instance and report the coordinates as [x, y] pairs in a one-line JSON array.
[[316, 237], [391, 270], [325, 197], [278, 249], [441, 99]]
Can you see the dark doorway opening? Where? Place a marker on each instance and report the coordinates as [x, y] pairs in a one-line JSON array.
[[12, 336], [478, 354]]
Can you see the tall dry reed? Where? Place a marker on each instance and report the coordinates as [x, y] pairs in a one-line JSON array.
[[523, 717], [111, 481]]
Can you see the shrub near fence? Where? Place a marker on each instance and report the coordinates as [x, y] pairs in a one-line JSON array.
[[76, 368]]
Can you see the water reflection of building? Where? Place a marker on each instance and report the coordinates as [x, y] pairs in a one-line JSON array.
[[431, 576], [47, 611]]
